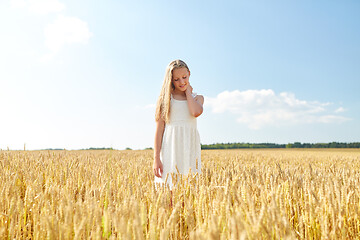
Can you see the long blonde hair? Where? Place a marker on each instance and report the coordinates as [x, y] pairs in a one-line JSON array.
[[163, 102]]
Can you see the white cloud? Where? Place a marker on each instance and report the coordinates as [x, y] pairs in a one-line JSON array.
[[18, 3], [63, 30], [66, 30], [41, 7], [150, 106], [340, 110], [259, 108]]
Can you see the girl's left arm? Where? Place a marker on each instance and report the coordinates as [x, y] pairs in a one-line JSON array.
[[195, 103]]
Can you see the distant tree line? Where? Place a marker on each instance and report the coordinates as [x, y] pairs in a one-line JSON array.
[[100, 148], [323, 145], [241, 145], [275, 145]]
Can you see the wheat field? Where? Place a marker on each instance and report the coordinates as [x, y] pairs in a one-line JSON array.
[[241, 194]]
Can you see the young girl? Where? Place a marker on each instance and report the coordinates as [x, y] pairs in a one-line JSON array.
[[177, 140]]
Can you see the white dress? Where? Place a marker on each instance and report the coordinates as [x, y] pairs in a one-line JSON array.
[[181, 142]]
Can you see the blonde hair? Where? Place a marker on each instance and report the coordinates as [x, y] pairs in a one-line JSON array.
[[163, 102]]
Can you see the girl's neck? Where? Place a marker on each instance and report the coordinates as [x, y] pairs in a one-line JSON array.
[[179, 94]]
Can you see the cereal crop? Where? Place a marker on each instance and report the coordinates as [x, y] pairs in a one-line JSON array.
[[241, 194]]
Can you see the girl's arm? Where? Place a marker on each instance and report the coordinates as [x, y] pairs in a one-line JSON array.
[[195, 104], [159, 132]]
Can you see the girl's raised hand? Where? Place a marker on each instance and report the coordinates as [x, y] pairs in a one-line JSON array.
[[189, 89]]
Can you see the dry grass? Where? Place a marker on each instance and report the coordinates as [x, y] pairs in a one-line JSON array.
[[242, 194]]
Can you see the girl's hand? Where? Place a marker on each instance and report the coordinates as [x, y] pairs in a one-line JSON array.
[[158, 167], [189, 90]]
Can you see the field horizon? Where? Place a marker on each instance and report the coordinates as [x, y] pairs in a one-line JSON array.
[[228, 145]]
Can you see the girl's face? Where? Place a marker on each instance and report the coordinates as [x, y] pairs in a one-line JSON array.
[[180, 78]]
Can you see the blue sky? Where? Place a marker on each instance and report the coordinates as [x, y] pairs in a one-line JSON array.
[[79, 74]]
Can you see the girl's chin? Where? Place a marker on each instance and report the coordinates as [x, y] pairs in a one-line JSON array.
[[183, 89]]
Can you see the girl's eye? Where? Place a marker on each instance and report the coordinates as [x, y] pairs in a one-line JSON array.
[[176, 80], [184, 77]]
